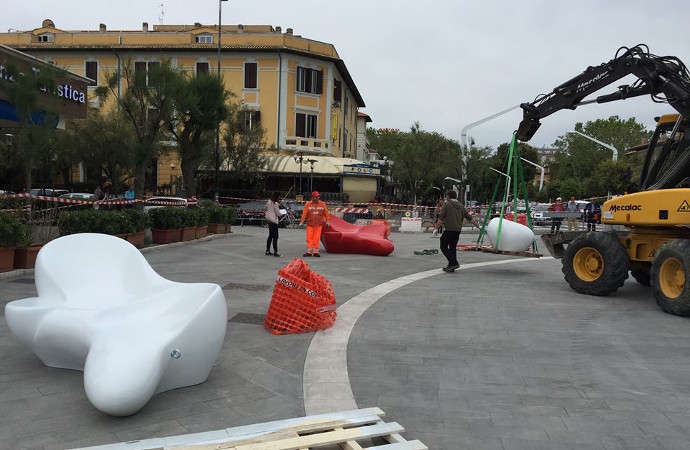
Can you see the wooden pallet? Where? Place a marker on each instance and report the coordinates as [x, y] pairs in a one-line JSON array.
[[349, 430]]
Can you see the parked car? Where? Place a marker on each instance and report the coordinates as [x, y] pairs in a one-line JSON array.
[[78, 196], [159, 202], [49, 192], [251, 213], [540, 214]]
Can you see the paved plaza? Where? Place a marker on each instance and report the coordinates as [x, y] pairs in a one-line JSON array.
[[500, 355]]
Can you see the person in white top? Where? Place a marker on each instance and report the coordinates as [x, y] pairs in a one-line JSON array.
[[273, 218]]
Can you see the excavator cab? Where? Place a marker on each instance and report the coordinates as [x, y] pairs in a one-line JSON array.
[[667, 163]]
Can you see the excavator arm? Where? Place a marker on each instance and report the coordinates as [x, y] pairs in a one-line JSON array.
[[665, 78]]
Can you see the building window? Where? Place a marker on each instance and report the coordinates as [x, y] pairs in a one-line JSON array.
[[306, 125], [45, 38], [144, 70], [309, 80], [91, 69], [347, 105], [251, 72], [202, 68], [252, 119], [338, 91], [204, 39], [345, 142]]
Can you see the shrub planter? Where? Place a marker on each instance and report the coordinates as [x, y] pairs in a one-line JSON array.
[[25, 257], [6, 259], [217, 228], [160, 236], [201, 231], [136, 239], [188, 234]]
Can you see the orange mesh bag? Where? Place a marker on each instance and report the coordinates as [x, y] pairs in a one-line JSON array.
[[302, 301]]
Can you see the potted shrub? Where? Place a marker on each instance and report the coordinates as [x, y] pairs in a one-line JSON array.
[[138, 222], [190, 219], [201, 222], [166, 224], [13, 234], [217, 219], [232, 216]]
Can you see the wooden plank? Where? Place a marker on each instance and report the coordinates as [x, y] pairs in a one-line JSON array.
[[405, 445], [326, 438]]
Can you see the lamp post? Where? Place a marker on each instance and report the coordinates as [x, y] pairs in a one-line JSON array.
[[299, 159], [603, 144], [311, 175], [217, 152]]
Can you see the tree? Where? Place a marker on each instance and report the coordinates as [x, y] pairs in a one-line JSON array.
[[244, 141], [199, 106], [579, 157], [32, 146], [104, 143], [147, 103]]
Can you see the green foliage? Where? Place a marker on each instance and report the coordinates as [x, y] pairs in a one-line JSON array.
[[138, 220], [202, 216], [216, 213], [167, 218], [101, 221], [190, 217], [232, 214], [13, 232], [243, 145]]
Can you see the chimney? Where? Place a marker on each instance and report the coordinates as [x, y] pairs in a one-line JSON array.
[[101, 28], [288, 31], [240, 28], [145, 27], [279, 29], [197, 24]]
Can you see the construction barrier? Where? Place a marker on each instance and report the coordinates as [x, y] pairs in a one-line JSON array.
[[303, 301]]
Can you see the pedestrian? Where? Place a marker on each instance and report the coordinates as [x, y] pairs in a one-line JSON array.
[[273, 217], [129, 193], [556, 207], [451, 218], [571, 207], [592, 214], [315, 213], [437, 212]]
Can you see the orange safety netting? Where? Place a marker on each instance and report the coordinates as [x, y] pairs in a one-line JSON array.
[[302, 301]]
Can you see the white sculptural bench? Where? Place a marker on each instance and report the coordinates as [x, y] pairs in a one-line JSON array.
[[103, 310]]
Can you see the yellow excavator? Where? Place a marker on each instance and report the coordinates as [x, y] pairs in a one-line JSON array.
[[652, 237]]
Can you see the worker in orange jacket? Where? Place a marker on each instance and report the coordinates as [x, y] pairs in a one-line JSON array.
[[315, 213]]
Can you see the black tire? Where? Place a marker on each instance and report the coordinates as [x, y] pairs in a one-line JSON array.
[[641, 274], [595, 264], [669, 274]]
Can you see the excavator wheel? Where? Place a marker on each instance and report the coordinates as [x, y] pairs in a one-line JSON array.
[[670, 269], [595, 263]]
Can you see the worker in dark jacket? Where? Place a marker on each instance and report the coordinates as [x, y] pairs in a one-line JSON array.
[[592, 214], [451, 218]]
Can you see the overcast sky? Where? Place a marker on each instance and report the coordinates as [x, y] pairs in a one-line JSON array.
[[443, 63]]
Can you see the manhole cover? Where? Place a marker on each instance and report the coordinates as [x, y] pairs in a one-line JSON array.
[[256, 319], [245, 287], [23, 281]]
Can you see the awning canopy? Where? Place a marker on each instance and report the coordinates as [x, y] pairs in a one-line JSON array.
[[323, 165]]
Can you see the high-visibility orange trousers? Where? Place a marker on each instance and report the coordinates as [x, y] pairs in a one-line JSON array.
[[313, 237]]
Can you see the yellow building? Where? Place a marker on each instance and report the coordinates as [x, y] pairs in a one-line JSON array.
[[300, 89]]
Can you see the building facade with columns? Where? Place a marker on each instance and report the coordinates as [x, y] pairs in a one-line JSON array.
[[298, 89]]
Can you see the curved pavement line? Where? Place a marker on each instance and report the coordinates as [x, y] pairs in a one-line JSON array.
[[326, 381]]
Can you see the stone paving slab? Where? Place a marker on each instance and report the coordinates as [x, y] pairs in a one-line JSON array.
[[493, 357]]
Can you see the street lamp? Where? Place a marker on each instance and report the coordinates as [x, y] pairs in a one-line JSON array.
[[217, 153], [311, 175], [610, 147], [299, 159]]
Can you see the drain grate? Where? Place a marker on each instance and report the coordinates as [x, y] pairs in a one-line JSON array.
[[23, 281], [254, 319], [245, 287]]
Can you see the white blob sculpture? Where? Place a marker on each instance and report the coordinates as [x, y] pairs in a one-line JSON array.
[[103, 310], [514, 237]]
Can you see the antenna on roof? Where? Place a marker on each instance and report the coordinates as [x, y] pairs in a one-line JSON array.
[[162, 16]]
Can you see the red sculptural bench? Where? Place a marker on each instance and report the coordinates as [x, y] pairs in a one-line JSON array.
[[344, 237]]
